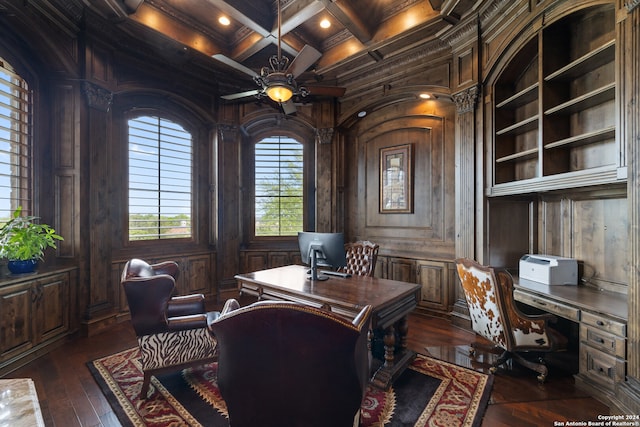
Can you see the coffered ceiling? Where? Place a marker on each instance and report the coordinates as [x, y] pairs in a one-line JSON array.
[[361, 33]]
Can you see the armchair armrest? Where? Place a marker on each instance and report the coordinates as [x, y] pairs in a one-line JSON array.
[[363, 317], [230, 305], [186, 305], [182, 323]]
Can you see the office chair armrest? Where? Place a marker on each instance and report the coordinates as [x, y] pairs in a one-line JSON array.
[[186, 305], [182, 323]]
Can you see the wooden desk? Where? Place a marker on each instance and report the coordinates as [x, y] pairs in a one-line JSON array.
[[602, 319], [567, 301], [391, 300]]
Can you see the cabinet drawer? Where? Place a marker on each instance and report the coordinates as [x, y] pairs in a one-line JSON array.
[[554, 307], [600, 322], [609, 343], [601, 367]]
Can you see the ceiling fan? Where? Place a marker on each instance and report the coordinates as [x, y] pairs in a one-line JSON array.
[[277, 81]]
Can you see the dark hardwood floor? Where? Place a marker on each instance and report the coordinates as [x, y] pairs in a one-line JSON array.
[[70, 397]]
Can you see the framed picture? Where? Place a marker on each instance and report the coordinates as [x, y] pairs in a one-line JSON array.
[[396, 179]]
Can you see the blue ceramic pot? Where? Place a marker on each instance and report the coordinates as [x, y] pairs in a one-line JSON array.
[[21, 267]]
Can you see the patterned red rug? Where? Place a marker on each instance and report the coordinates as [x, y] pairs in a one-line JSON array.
[[430, 393]]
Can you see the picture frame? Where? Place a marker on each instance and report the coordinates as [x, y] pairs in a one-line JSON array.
[[396, 179]]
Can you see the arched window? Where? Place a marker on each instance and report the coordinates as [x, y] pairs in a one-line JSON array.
[[15, 142], [279, 187], [160, 179]]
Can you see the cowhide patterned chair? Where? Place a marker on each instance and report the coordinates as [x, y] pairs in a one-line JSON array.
[[361, 258], [288, 364], [495, 316], [172, 330]]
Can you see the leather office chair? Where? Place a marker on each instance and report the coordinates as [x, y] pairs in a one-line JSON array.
[[495, 316], [361, 258], [286, 364], [172, 330]]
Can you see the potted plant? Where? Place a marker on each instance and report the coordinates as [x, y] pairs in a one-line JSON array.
[[23, 242]]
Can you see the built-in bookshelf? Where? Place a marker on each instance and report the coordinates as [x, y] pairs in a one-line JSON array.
[[554, 114]]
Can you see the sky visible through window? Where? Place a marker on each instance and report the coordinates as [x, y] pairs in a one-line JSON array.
[[160, 179], [15, 133]]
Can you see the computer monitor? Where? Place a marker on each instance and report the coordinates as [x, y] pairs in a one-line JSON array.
[[322, 249]]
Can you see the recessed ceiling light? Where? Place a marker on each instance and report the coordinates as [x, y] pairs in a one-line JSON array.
[[362, 113], [425, 96], [224, 20], [325, 23]]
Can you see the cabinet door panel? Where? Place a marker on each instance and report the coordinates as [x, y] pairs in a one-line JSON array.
[[197, 275], [402, 270], [52, 311], [434, 277], [15, 321]]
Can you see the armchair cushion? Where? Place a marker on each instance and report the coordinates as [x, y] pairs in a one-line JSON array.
[[185, 305]]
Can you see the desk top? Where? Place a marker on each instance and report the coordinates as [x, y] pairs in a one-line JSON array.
[[580, 296], [351, 294]]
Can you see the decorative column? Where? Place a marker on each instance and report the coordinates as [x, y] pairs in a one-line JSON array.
[[629, 78], [101, 298], [230, 189], [465, 188], [324, 182]]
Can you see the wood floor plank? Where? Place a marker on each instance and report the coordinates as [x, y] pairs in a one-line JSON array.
[[69, 396]]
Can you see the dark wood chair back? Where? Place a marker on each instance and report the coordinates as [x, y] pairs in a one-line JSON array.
[[286, 364]]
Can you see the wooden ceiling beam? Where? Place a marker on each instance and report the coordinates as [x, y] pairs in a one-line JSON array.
[[236, 15], [349, 18]]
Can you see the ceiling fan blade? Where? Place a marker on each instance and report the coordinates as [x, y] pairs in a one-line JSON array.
[[326, 90], [288, 107], [241, 94], [303, 60], [234, 64]]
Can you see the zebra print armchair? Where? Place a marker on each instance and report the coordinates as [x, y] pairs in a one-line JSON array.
[[172, 330]]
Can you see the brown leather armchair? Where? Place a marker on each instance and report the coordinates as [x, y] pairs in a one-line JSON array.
[[361, 258], [285, 364], [172, 330], [495, 316]]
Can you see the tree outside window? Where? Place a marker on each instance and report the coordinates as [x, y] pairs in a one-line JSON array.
[[279, 187]]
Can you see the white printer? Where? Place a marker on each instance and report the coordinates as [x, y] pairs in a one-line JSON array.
[[549, 269]]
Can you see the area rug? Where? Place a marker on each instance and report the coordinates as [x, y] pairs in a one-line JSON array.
[[430, 392]]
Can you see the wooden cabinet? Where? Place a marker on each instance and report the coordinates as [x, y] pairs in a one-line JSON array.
[[35, 312], [437, 280], [256, 260], [554, 113], [602, 352], [601, 317]]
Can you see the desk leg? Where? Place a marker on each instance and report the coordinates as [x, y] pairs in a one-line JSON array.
[[395, 361], [389, 346]]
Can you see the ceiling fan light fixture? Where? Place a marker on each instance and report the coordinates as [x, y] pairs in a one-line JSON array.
[[279, 93], [278, 86]]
